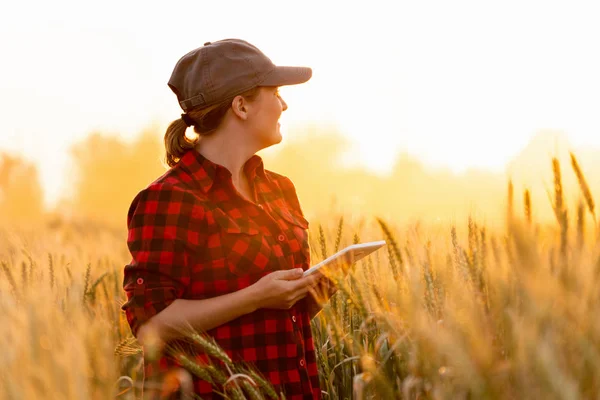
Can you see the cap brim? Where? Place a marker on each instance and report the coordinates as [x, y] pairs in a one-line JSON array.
[[282, 76]]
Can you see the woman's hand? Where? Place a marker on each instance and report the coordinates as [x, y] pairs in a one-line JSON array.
[[282, 289], [324, 289], [320, 294]]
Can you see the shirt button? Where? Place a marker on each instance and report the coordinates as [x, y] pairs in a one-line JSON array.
[[294, 318], [140, 281], [281, 238], [302, 363]]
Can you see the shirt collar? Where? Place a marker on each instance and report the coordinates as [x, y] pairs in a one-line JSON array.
[[206, 172]]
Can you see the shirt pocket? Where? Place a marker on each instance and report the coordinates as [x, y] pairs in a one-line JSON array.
[[245, 249], [297, 233]]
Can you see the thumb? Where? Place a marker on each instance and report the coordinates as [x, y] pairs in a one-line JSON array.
[[290, 274]]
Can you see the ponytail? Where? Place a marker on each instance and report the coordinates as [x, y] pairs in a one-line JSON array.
[[205, 121], [176, 142]]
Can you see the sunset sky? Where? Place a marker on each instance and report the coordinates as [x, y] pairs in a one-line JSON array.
[[456, 83]]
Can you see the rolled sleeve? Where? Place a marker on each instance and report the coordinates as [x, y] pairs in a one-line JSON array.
[[158, 221]]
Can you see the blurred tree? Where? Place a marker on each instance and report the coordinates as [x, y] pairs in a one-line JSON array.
[[108, 173], [21, 195], [312, 159]]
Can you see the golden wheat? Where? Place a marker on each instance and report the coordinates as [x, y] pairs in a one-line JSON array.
[[459, 311]]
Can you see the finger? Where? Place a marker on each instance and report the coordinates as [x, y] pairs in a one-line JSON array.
[[300, 296], [326, 278], [314, 280], [317, 275], [319, 298], [300, 291], [289, 274], [303, 282], [318, 292]]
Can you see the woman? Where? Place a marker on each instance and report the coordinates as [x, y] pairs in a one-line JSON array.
[[219, 242]]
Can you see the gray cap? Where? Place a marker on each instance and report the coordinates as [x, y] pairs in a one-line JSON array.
[[221, 70]]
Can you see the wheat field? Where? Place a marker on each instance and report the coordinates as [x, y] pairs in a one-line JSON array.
[[457, 310]]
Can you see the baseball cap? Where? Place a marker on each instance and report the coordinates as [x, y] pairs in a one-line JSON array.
[[223, 69]]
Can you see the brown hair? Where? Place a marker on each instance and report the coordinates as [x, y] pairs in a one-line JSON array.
[[206, 121]]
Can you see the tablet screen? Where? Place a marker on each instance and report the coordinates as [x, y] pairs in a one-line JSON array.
[[349, 255]]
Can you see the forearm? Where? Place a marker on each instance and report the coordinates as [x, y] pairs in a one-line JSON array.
[[201, 315]]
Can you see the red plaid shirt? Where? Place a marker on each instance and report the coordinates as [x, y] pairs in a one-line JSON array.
[[192, 236]]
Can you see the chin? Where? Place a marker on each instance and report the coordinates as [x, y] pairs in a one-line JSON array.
[[272, 141], [276, 138]]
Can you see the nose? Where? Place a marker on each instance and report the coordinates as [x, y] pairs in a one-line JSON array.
[[283, 104]]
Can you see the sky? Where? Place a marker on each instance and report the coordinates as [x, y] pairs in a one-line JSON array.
[[458, 84]]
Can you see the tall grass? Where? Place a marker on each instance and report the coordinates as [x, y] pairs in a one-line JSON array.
[[59, 318], [458, 311]]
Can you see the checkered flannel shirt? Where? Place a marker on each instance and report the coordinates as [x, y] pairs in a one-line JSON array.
[[192, 236]]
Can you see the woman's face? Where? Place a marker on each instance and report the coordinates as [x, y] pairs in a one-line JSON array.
[[265, 119]]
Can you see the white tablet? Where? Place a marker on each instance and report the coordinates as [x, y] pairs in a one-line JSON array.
[[348, 255]]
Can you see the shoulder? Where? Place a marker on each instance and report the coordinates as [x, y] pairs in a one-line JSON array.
[[279, 179], [286, 188], [165, 211], [168, 195]]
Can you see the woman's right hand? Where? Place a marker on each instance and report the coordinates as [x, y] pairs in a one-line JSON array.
[[282, 289]]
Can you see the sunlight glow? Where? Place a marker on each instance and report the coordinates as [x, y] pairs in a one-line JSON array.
[[457, 84]]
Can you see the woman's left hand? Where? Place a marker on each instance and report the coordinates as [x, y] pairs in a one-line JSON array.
[[324, 288]]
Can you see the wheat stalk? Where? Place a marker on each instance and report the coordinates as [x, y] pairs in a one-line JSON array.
[[559, 208], [339, 234], [10, 278], [585, 189], [51, 264], [194, 368], [527, 204], [322, 242], [393, 249], [509, 202], [580, 223], [265, 386], [24, 275], [86, 280], [212, 348]]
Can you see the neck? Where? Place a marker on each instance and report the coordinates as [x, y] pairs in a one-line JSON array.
[[225, 148]]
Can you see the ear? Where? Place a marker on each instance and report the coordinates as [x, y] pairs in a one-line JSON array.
[[239, 107]]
